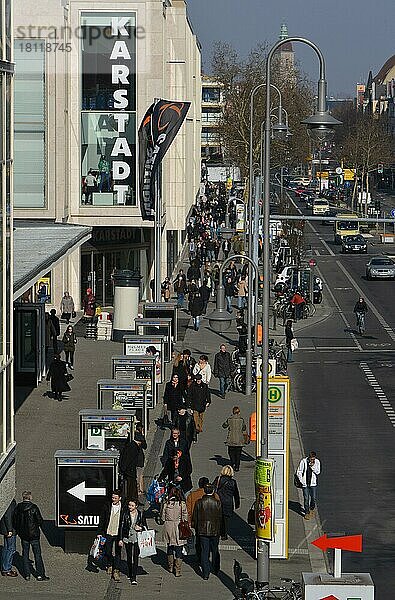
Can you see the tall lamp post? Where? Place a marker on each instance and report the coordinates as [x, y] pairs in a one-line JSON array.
[[320, 126], [250, 217]]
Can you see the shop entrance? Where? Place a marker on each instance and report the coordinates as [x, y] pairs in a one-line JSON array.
[[110, 249], [29, 332]]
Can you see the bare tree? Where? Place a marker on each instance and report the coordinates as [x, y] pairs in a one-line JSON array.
[[238, 78]]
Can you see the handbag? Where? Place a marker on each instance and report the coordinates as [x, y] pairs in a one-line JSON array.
[[246, 437], [146, 542], [294, 344], [97, 547], [184, 531]]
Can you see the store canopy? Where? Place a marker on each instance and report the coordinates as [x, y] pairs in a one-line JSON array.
[[39, 246]]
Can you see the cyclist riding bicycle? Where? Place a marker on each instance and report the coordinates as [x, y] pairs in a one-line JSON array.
[[360, 310]]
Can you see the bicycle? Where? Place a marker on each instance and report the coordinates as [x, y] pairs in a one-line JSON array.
[[249, 591], [361, 322], [277, 352]]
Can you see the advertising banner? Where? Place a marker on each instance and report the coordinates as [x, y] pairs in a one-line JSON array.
[[264, 507], [158, 129]]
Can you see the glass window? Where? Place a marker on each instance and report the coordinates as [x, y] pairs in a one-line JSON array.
[[211, 95], [29, 127], [210, 137], [211, 116], [8, 32], [99, 132], [98, 45]]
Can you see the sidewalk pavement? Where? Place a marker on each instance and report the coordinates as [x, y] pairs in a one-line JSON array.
[[44, 425]]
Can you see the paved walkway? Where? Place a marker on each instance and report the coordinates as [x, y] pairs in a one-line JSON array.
[[44, 425]]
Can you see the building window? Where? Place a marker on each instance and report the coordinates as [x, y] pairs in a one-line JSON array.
[[211, 95], [99, 132], [209, 137], [211, 116], [108, 105], [29, 127]]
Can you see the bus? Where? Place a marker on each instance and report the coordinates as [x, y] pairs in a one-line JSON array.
[[350, 226]]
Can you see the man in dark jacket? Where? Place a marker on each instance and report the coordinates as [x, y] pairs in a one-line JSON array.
[[55, 330], [223, 369], [198, 399], [207, 522], [185, 422], [8, 530], [196, 308], [27, 521], [205, 292], [129, 459], [174, 396], [109, 522], [174, 443]]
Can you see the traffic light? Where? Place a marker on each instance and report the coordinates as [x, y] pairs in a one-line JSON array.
[[380, 168]]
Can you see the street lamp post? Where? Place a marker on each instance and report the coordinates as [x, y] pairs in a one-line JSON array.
[[250, 216], [321, 126]]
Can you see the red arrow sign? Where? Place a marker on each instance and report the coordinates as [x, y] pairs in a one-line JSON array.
[[353, 543], [330, 598]]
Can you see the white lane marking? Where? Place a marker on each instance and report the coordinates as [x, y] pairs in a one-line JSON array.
[[342, 315], [389, 411], [372, 307], [323, 242]]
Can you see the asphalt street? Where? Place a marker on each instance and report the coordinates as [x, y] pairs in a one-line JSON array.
[[344, 391]]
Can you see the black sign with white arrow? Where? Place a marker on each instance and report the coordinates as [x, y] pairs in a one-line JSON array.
[[84, 483]]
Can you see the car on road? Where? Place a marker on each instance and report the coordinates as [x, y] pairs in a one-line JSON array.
[[380, 267], [299, 190], [320, 207], [354, 243]]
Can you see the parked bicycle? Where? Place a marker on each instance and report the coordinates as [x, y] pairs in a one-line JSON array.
[[246, 588]]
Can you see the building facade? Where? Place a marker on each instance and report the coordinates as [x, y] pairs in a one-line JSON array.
[[212, 109], [7, 439], [92, 70]]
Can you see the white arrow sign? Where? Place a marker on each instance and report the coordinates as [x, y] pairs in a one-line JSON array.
[[80, 491]]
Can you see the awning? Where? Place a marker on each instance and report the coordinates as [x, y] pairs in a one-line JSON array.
[[40, 246]]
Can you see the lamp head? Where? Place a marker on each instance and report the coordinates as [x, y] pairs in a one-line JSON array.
[[321, 126]]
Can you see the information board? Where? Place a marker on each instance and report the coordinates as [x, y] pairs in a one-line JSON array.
[[157, 327], [120, 394], [85, 479], [138, 345], [105, 429], [163, 310], [137, 368]]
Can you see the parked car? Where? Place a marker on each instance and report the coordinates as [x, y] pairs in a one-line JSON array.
[[354, 243], [380, 267]]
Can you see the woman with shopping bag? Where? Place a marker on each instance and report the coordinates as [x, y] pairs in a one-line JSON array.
[[174, 513], [132, 522]]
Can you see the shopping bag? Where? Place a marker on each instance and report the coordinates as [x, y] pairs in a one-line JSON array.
[[191, 546], [97, 547], [146, 542], [294, 344]]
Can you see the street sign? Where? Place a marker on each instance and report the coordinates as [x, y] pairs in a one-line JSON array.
[[393, 212], [349, 174], [312, 262], [339, 170], [352, 543], [84, 479]]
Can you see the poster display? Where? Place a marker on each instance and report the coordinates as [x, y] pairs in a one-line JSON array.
[[264, 507], [138, 345]]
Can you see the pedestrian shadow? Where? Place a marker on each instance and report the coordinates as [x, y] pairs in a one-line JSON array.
[[220, 460], [245, 457], [295, 507], [243, 534], [160, 559], [227, 582], [53, 535]]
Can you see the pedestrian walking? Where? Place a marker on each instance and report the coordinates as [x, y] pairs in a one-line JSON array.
[[242, 290], [174, 443], [28, 521], [139, 438], [203, 368], [185, 422], [55, 329], [57, 374], [67, 308], [289, 336], [237, 436], [196, 309], [192, 498], [229, 293], [69, 342], [178, 470], [226, 247], [298, 303], [207, 523], [7, 529], [130, 457], [205, 292], [132, 520], [109, 523], [226, 487], [174, 511], [165, 289], [198, 399], [89, 304], [180, 288], [180, 369], [173, 397], [307, 472], [223, 369]]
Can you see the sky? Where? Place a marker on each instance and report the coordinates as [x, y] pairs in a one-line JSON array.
[[355, 36]]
